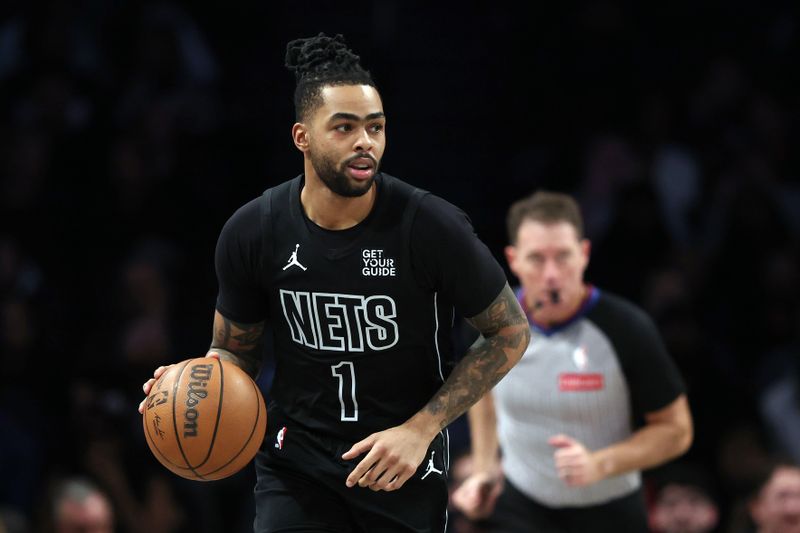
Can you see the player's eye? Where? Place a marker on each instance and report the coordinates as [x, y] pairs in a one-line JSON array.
[[344, 128], [376, 128]]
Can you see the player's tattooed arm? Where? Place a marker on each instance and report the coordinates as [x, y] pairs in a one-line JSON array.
[[506, 335], [239, 343]]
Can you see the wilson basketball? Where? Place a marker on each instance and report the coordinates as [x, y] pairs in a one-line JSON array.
[[204, 419]]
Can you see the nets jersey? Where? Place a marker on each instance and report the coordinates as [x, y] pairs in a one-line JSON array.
[[360, 318], [592, 378]]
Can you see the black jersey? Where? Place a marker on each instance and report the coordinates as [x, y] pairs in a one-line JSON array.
[[361, 318]]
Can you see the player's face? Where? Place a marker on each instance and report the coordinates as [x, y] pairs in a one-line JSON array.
[[778, 506], [549, 259], [347, 138]]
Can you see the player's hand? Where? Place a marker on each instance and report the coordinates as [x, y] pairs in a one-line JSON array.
[[157, 374], [574, 463], [393, 457], [477, 495]]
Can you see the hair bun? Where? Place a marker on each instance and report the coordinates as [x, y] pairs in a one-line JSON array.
[[316, 57]]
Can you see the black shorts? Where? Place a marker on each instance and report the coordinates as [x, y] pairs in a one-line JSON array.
[[517, 513], [301, 488]]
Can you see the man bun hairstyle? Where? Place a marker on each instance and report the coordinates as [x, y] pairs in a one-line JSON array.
[[545, 207], [318, 62]]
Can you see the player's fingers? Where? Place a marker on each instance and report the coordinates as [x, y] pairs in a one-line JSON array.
[[394, 476], [358, 448], [398, 480], [148, 385], [381, 483], [141, 406], [382, 474], [362, 468], [372, 476]]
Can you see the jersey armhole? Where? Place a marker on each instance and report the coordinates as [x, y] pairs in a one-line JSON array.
[[266, 230], [408, 222]]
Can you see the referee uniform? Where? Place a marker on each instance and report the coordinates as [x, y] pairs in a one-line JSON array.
[[592, 377], [361, 322]]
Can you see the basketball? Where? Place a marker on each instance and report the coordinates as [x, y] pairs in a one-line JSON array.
[[204, 419]]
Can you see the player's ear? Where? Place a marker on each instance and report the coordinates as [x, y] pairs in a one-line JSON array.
[[300, 136]]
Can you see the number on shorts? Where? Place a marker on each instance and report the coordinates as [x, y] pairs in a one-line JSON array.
[[347, 382]]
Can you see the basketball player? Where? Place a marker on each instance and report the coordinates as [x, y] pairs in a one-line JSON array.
[[593, 401], [359, 275]]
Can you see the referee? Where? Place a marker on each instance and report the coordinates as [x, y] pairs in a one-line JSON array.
[[593, 401]]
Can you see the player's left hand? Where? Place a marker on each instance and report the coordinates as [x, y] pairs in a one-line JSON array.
[[394, 455], [574, 463]]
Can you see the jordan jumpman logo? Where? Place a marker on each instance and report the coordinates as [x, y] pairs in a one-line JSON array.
[[293, 259], [430, 468]]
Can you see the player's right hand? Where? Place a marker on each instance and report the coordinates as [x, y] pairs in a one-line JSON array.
[[477, 495], [160, 372], [149, 384]]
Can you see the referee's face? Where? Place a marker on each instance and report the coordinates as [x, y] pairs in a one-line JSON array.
[[549, 260]]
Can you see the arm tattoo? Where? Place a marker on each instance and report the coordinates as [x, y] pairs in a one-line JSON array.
[[239, 343], [506, 333]]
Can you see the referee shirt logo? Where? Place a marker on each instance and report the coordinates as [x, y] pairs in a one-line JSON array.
[[580, 358], [574, 382]]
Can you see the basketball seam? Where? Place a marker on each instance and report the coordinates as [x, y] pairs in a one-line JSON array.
[[219, 413], [249, 438], [155, 445], [175, 422]]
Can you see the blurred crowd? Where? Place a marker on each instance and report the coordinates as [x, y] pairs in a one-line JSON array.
[[132, 130]]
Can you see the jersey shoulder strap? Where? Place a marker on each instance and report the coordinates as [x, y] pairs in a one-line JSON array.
[[271, 200], [415, 198]]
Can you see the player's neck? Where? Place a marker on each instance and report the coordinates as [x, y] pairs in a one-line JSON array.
[[331, 211]]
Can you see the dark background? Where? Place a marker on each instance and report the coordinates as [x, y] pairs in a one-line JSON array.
[[130, 131]]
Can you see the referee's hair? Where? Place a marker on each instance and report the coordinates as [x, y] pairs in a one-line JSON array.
[[546, 207], [318, 62]]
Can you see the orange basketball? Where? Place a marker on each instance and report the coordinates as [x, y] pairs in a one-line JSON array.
[[204, 419]]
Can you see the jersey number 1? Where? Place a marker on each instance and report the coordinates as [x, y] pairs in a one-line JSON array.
[[345, 372]]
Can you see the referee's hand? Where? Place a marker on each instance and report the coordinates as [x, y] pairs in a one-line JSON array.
[[574, 463], [477, 496]]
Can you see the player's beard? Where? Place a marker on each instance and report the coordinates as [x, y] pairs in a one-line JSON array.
[[336, 180]]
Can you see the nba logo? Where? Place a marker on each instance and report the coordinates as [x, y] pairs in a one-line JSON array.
[[279, 438], [580, 358]]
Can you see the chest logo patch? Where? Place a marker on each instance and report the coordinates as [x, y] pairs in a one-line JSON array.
[[374, 263]]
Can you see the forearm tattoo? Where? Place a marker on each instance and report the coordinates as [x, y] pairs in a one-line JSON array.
[[506, 333], [240, 342]]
